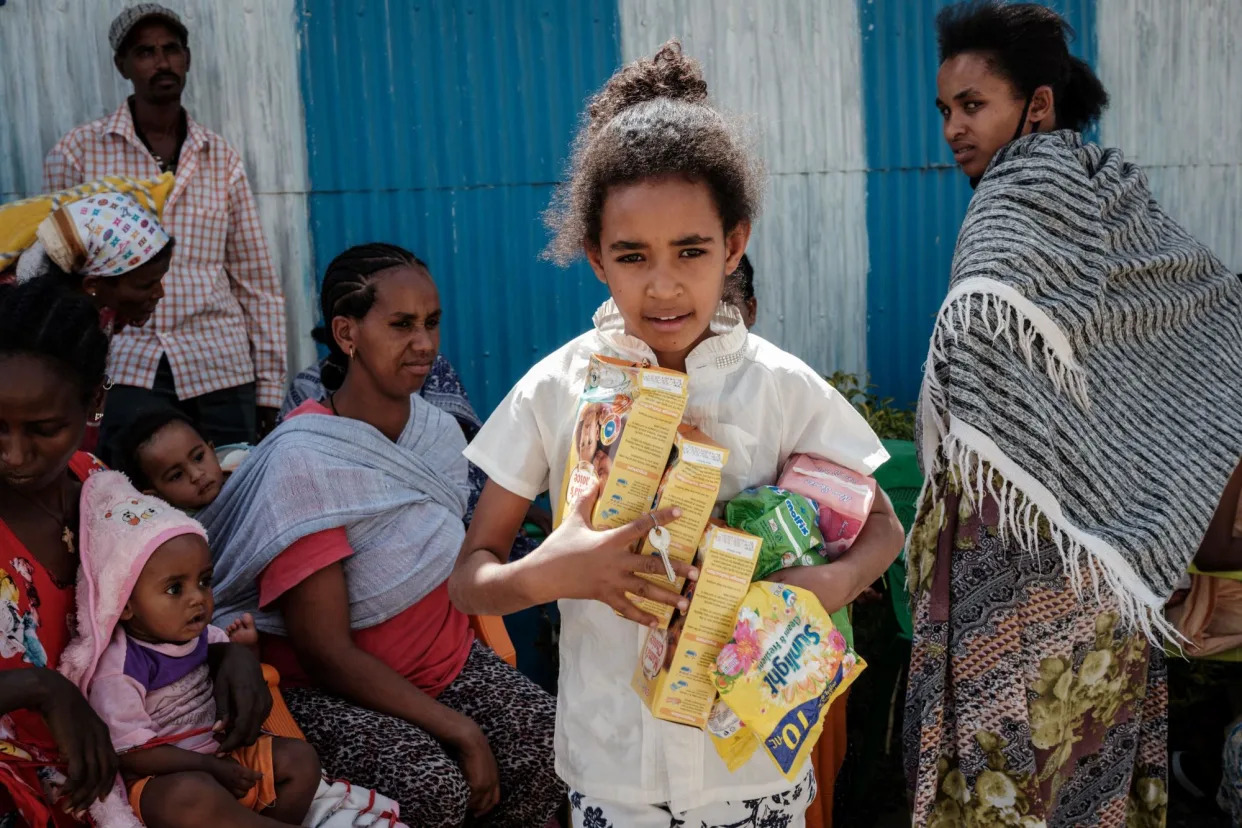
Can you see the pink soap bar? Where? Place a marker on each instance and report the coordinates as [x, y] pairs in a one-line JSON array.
[[844, 498]]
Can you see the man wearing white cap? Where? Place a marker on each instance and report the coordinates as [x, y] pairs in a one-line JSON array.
[[215, 347]]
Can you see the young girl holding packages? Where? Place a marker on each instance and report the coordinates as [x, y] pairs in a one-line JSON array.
[[661, 200]]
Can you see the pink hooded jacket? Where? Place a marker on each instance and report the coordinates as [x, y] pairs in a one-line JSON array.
[[121, 528]]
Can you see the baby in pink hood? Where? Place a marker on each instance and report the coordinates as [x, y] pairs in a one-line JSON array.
[[144, 604]]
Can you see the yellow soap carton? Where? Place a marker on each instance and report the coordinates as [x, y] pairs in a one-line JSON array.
[[692, 483], [675, 674], [627, 418]]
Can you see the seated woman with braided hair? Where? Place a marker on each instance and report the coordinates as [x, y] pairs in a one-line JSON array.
[[441, 386], [338, 535]]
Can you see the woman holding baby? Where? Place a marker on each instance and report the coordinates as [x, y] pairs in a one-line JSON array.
[[52, 358], [338, 535]]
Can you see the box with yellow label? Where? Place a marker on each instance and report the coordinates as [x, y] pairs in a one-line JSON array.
[[675, 670], [627, 418], [691, 483]]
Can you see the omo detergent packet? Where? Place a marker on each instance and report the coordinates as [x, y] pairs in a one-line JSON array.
[[787, 522], [783, 667]]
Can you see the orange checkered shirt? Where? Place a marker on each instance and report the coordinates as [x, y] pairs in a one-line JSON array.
[[221, 322]]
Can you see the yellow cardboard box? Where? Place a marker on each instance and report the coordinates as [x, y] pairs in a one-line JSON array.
[[675, 670], [691, 482], [627, 418]]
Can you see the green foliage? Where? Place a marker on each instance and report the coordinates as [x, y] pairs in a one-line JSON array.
[[887, 420]]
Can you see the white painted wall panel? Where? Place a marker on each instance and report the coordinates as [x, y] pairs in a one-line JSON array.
[[792, 69], [56, 72], [1174, 71]]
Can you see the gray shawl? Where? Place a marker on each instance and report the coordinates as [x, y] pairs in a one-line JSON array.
[[401, 506], [1086, 371]]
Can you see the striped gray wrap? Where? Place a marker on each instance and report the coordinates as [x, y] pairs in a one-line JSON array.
[[1086, 370]]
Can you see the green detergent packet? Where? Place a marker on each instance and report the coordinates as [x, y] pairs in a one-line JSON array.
[[787, 522]]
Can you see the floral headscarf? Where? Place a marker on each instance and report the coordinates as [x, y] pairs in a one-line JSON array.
[[19, 220], [105, 234]]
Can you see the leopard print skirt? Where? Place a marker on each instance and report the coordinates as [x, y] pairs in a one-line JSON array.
[[406, 763]]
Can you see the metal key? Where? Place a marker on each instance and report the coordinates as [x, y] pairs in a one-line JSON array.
[[660, 538]]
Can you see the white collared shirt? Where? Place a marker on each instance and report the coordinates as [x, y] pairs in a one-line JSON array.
[[763, 405]]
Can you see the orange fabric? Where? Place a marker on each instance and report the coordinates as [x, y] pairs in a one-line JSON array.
[[827, 757], [257, 757], [280, 721], [135, 794], [491, 631], [1211, 616]]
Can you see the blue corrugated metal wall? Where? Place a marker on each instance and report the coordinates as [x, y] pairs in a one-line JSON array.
[[916, 196], [443, 126]]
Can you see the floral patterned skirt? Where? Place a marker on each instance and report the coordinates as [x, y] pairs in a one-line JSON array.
[[1027, 706]]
